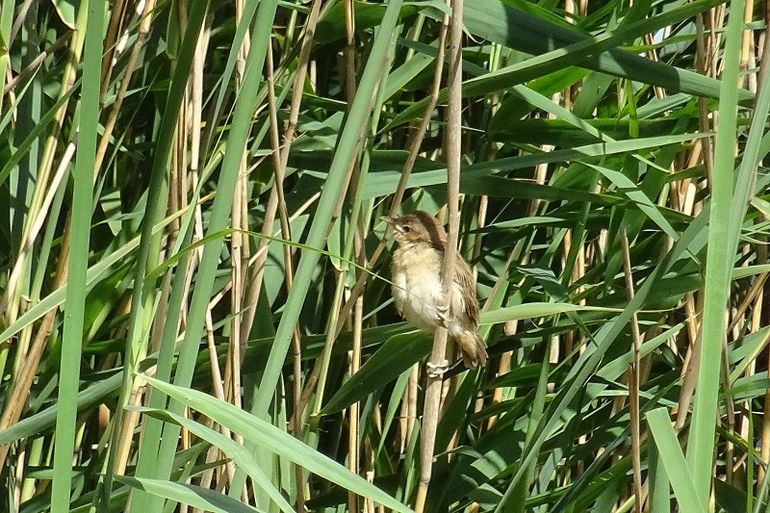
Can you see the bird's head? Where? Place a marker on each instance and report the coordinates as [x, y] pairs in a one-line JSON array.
[[419, 227]]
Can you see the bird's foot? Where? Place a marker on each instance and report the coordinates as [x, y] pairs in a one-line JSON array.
[[443, 315], [437, 370]]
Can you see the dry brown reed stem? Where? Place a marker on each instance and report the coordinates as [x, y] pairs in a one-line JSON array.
[[243, 51], [481, 217], [633, 376], [109, 126], [411, 403], [279, 168], [216, 382], [746, 42], [349, 52], [354, 435], [415, 144], [689, 366], [354, 449], [354, 410], [349, 55], [12, 292], [765, 38], [258, 266], [32, 66], [453, 155], [414, 149], [23, 381], [117, 16], [239, 243], [689, 371], [755, 325], [278, 177], [764, 432], [25, 376], [279, 171]]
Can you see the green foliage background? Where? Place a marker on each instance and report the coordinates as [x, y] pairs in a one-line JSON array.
[[194, 297]]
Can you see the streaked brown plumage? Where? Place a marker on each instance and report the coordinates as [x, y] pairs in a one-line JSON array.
[[417, 288]]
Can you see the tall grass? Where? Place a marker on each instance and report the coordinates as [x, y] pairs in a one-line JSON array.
[[195, 311]]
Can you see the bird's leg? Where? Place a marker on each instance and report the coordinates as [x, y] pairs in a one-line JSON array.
[[442, 308], [437, 370]]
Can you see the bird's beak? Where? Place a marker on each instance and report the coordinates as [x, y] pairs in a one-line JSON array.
[[392, 222]]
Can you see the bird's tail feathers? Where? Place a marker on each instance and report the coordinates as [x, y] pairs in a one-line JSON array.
[[472, 347]]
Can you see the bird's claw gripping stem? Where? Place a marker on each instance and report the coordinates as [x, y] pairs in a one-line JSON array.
[[437, 370], [443, 315]]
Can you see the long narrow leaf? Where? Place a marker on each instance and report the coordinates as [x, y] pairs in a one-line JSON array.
[[273, 439]]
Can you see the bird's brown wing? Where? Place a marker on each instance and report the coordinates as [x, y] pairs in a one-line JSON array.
[[464, 278]]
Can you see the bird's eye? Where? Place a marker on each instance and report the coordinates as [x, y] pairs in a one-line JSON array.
[[406, 228]]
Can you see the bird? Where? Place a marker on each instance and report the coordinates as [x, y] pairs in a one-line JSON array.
[[417, 287]]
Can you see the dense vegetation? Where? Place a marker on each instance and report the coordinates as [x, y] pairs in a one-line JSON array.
[[194, 294]]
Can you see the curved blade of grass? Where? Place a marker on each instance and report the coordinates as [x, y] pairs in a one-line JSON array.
[[673, 461], [272, 438], [500, 23], [385, 182], [190, 495], [41, 422], [238, 453]]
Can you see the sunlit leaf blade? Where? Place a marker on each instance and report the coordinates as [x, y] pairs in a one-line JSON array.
[[273, 439]]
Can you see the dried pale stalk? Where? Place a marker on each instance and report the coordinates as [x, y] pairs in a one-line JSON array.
[[279, 171], [117, 17], [414, 149], [258, 266], [633, 377], [109, 126], [453, 155], [12, 292], [23, 380]]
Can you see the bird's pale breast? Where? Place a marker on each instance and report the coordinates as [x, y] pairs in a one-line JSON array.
[[417, 289]]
